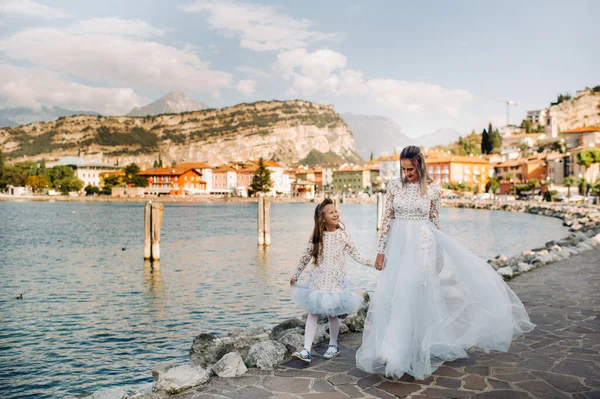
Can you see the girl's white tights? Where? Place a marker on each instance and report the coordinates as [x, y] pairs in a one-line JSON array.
[[311, 328]]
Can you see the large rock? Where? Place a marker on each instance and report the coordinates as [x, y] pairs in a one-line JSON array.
[[208, 349], [266, 355], [292, 340], [160, 368], [506, 272], [180, 378], [282, 328], [230, 365], [108, 393], [356, 321]]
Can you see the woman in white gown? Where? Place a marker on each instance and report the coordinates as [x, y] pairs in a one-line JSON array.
[[435, 299]]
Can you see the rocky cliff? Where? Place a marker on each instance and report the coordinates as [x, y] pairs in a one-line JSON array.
[[284, 131], [581, 110]]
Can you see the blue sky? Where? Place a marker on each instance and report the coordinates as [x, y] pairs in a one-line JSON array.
[[425, 64]]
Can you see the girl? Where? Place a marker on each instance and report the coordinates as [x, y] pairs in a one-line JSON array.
[[327, 290], [435, 299]]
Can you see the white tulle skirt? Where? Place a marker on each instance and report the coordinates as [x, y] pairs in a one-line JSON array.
[[329, 303], [435, 299]]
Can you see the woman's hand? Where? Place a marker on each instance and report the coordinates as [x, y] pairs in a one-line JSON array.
[[379, 261], [293, 281]]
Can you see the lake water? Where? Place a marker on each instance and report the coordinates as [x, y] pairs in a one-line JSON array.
[[93, 315]]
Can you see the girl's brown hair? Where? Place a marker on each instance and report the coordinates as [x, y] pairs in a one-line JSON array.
[[319, 228], [414, 154]]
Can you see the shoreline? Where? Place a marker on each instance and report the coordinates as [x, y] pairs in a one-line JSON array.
[[243, 350]]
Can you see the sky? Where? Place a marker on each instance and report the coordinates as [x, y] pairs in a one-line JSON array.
[[425, 64]]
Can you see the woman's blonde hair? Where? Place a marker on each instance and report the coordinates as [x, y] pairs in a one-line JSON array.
[[414, 154]]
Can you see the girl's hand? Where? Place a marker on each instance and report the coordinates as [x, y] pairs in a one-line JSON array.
[[379, 261], [293, 281]]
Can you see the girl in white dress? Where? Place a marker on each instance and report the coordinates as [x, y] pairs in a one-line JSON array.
[[327, 291], [435, 299]]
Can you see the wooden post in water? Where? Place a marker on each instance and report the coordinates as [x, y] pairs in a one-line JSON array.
[[261, 219], [336, 203], [157, 213], [147, 229], [380, 206], [267, 218]]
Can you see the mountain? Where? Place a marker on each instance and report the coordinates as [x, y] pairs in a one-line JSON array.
[[583, 109], [441, 136], [285, 131], [23, 115], [172, 103], [375, 134]]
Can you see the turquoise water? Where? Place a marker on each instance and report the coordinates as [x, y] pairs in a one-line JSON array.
[[93, 315]]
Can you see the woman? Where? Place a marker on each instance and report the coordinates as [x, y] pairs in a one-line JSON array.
[[435, 299]]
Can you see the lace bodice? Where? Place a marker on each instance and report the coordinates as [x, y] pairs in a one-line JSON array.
[[404, 201], [329, 273]]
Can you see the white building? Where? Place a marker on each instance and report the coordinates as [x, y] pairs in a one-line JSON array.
[[538, 116], [86, 170], [389, 167], [205, 171]]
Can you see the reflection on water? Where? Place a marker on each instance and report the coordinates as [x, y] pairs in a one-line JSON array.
[[94, 314]]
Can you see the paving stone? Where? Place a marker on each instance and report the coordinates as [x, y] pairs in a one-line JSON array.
[[497, 384], [356, 372], [514, 377], [542, 390], [479, 370], [368, 381], [351, 391], [592, 383], [205, 396], [447, 372], [289, 385], [337, 366], [446, 393], [577, 367], [564, 383], [537, 364], [300, 373], [474, 383], [448, 382], [250, 392], [322, 386], [503, 394], [341, 379], [378, 393], [399, 389], [285, 396], [326, 395]]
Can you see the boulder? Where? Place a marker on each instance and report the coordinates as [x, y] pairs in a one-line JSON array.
[[292, 340], [230, 365], [266, 354], [282, 328], [108, 393], [161, 368], [506, 272], [208, 349], [178, 379], [524, 267]]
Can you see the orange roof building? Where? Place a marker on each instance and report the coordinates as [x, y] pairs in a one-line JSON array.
[[173, 181], [471, 170]]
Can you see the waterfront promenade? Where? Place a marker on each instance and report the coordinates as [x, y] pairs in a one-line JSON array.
[[559, 359]]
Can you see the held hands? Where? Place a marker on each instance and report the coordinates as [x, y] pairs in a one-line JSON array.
[[293, 281], [379, 261]]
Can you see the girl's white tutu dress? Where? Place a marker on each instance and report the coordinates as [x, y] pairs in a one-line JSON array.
[[327, 291], [435, 299]]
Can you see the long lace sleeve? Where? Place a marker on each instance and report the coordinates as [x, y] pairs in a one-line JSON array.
[[351, 250], [304, 260], [388, 215], [434, 211]]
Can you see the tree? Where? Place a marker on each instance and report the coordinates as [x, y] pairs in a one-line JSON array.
[[534, 183], [37, 182], [496, 140], [371, 158], [493, 185], [486, 142], [139, 181], [588, 157], [568, 182], [91, 190], [109, 181], [261, 182], [16, 175], [1, 162], [42, 171], [527, 125]]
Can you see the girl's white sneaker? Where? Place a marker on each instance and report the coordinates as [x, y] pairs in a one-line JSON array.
[[303, 355], [332, 351]]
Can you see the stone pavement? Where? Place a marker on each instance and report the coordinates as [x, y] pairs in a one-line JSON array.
[[559, 359]]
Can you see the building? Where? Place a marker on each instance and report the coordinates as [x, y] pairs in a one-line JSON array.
[[389, 167], [582, 137], [86, 170], [470, 170], [245, 174], [558, 166], [327, 177], [281, 181], [350, 180], [203, 169], [577, 171], [304, 189], [538, 117], [173, 181], [224, 180], [522, 170]]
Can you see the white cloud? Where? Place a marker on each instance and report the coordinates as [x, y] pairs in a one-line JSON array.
[[417, 96], [310, 72], [34, 87], [324, 70], [253, 72], [116, 26], [30, 8], [86, 51], [260, 28], [246, 87]]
